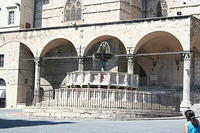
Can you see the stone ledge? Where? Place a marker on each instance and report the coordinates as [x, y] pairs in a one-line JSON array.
[[94, 114]]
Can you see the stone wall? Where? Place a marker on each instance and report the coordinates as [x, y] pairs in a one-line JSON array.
[[185, 7], [9, 73]]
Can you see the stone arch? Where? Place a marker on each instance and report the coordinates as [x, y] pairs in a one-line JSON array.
[[117, 47], [163, 71], [22, 62], [2, 93], [12, 42], [157, 34], [53, 43], [64, 60]]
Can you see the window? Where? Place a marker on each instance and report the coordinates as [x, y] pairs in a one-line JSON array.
[[11, 17], [73, 10], [179, 13], [1, 60]]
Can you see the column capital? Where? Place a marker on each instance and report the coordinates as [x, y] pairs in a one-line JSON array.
[[186, 56], [37, 60]]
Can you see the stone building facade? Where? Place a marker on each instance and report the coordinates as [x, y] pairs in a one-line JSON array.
[[70, 28]]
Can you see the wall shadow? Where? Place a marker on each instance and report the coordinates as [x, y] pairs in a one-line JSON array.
[[5, 123]]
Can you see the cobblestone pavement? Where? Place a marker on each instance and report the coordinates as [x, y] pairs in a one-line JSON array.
[[20, 124]]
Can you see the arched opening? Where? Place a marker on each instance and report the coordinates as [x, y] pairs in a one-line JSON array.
[[161, 71], [116, 64], [2, 93], [57, 61], [26, 74]]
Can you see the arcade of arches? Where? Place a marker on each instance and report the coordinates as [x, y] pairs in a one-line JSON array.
[[47, 65], [150, 68]]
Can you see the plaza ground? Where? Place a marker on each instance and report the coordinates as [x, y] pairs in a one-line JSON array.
[[20, 124]]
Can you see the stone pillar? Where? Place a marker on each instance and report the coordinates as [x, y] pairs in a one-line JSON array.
[[37, 80], [185, 104], [130, 65], [80, 64], [125, 96], [135, 97]]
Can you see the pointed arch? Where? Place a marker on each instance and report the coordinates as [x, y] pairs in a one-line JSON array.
[[73, 10]]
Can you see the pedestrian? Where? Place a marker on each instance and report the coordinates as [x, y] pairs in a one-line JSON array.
[[192, 125]]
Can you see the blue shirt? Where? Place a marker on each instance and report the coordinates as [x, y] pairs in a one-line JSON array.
[[192, 128]]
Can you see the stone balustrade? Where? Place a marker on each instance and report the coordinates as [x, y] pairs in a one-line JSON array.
[[101, 79]]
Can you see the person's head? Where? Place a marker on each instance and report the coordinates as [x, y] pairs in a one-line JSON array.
[[189, 114]]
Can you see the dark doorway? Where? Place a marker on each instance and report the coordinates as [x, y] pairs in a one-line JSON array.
[[2, 93]]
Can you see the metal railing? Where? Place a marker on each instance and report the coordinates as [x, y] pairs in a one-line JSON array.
[[105, 99]]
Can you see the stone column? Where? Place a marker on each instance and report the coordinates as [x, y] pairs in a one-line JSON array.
[[130, 65], [37, 80], [80, 64], [185, 104]]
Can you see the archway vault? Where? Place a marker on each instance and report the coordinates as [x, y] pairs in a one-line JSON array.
[[157, 40], [116, 47], [54, 70], [162, 71], [55, 43]]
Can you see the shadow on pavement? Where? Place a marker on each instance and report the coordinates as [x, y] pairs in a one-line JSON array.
[[5, 123]]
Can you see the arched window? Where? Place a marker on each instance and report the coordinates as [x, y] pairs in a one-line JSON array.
[[2, 83], [161, 9], [73, 10]]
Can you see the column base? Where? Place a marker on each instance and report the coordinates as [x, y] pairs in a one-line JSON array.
[[185, 105]]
